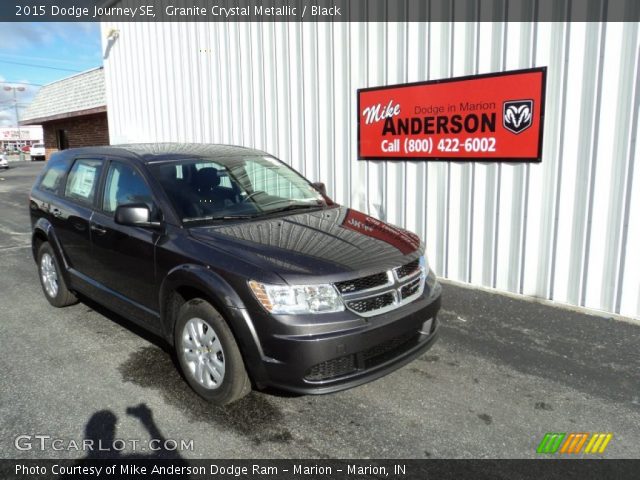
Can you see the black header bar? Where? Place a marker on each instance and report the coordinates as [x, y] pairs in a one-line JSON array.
[[319, 10]]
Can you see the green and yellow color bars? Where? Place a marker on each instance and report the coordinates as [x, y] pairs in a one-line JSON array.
[[574, 442]]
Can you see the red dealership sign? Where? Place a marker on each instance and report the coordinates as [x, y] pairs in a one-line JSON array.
[[497, 116]]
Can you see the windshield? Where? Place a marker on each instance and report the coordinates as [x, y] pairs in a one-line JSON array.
[[38, 145], [204, 190]]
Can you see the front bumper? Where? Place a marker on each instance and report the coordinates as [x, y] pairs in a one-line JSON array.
[[336, 360]]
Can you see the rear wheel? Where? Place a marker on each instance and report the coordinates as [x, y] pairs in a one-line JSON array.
[[53, 284], [208, 354]]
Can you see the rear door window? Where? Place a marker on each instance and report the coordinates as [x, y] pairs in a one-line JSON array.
[[82, 181]]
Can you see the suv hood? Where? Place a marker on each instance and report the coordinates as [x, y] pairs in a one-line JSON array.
[[329, 245]]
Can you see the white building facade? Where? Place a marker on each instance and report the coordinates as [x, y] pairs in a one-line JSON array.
[[566, 229]]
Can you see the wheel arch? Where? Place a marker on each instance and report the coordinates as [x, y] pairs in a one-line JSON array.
[[186, 282], [37, 239], [189, 281], [43, 231]]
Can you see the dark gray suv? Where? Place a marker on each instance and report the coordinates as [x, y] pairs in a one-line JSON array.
[[249, 271]]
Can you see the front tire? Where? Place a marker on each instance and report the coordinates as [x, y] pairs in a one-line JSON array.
[[208, 354], [51, 279]]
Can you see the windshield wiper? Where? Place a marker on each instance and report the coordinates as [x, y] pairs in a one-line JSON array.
[[221, 217], [295, 206]]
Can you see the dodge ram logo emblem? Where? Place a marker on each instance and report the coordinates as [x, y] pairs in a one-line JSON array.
[[517, 115]]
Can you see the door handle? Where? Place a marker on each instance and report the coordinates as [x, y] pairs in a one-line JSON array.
[[99, 229]]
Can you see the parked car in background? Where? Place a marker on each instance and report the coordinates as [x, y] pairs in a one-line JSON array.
[[250, 272], [37, 151], [4, 163], [25, 148]]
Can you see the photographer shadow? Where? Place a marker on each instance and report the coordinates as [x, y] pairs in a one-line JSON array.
[[101, 431], [103, 447]]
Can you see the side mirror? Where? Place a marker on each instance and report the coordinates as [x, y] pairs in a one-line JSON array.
[[321, 187], [134, 215]]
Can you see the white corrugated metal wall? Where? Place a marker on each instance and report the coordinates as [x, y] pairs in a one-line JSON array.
[[567, 229]]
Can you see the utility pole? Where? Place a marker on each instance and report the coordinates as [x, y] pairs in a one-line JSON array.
[[15, 103]]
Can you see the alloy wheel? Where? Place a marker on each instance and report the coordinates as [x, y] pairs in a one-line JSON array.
[[49, 275], [203, 353]]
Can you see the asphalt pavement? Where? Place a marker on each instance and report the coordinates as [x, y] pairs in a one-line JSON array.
[[504, 372]]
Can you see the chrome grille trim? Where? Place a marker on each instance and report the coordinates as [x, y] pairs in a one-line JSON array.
[[376, 290], [344, 286], [393, 286], [409, 269]]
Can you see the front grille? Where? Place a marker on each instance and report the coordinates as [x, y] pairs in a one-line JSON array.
[[364, 283], [410, 289], [408, 269], [382, 292], [371, 303], [370, 358], [389, 349], [332, 368]]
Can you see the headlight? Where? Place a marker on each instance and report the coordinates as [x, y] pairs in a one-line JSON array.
[[424, 266], [428, 275], [292, 299]]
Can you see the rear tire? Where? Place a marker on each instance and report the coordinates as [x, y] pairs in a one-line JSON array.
[[51, 279], [208, 354]]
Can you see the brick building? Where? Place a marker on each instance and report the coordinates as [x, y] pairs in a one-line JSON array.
[[72, 112]]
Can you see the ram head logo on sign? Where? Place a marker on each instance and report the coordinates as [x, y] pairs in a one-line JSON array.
[[517, 115]]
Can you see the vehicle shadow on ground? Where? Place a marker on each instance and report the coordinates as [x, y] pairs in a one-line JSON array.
[[125, 323], [255, 416], [155, 367], [158, 341]]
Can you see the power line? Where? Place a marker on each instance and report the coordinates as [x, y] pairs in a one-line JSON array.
[[40, 66], [22, 83], [45, 59], [12, 107]]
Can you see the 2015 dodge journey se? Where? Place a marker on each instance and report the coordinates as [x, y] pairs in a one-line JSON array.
[[249, 271]]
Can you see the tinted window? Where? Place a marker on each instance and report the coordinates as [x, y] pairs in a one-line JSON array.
[[272, 178], [203, 190], [223, 178], [53, 176], [82, 181], [124, 186]]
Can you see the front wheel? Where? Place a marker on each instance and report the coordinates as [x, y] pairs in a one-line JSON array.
[[208, 354]]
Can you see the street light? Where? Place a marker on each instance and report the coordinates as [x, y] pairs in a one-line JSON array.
[[15, 102]]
